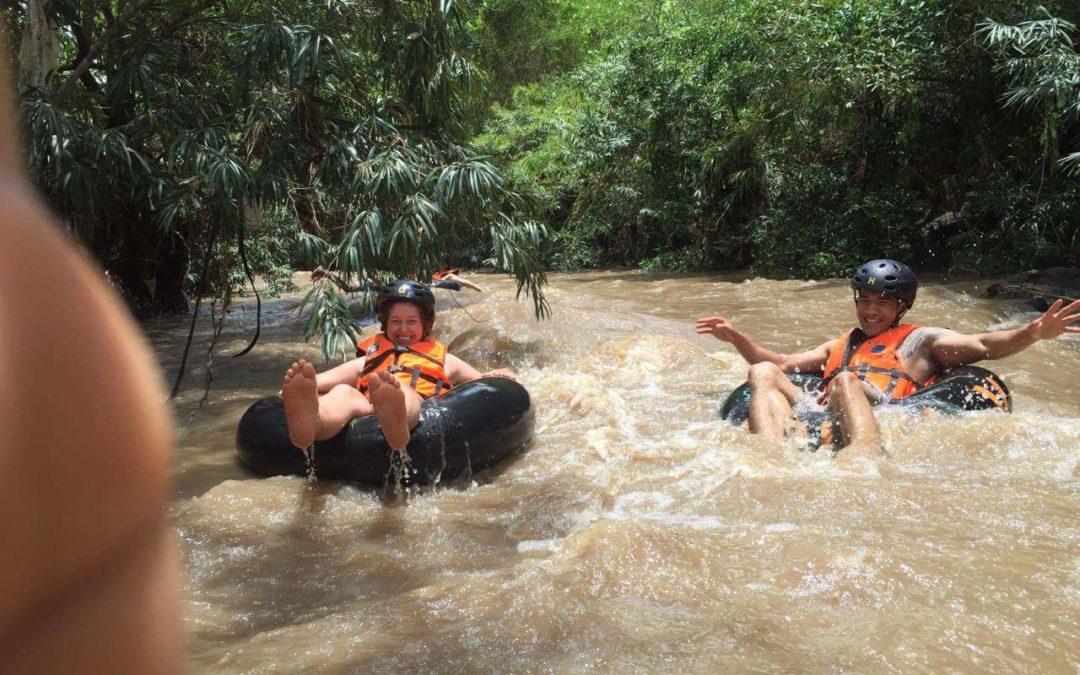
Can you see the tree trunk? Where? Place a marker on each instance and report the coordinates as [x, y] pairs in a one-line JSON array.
[[169, 283], [40, 47]]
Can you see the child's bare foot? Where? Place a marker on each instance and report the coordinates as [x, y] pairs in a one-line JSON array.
[[388, 399], [301, 403]]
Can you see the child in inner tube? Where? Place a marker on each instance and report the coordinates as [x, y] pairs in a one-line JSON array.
[[880, 360], [399, 367]]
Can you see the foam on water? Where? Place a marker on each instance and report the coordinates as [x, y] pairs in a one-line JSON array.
[[640, 533]]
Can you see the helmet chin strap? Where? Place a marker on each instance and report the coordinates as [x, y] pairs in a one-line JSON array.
[[903, 310]]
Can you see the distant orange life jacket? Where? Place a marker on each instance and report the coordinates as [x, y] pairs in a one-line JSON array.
[[874, 360], [442, 274], [420, 365]]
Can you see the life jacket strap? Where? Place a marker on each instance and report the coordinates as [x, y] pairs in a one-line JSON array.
[[861, 371], [417, 374]]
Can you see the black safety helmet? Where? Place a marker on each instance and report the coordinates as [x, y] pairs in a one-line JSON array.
[[891, 278], [405, 290]]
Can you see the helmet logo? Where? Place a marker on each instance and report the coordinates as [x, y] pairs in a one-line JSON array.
[[870, 281], [403, 288]]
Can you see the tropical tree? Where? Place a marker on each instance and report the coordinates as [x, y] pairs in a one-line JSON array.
[[183, 140], [798, 136]]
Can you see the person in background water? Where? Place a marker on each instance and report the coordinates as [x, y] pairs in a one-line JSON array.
[[447, 279], [879, 361], [88, 576], [452, 275], [397, 369]]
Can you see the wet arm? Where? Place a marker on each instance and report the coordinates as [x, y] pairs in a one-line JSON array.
[[812, 361], [956, 349], [752, 352], [460, 372], [721, 329]]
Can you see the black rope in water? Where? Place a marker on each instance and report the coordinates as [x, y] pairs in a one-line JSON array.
[[467, 312], [195, 315], [219, 325], [258, 300]]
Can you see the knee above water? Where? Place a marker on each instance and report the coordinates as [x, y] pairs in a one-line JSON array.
[[766, 367], [846, 380], [762, 371]]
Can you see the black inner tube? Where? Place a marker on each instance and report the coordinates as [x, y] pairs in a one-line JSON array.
[[472, 427], [960, 389]]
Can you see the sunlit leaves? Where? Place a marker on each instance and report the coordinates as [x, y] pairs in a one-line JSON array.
[[340, 119], [1039, 61], [328, 317]]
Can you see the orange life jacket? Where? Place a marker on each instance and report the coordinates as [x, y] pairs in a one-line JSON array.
[[874, 360], [442, 274], [420, 365]]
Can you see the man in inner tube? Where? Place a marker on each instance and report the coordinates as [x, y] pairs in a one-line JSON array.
[[880, 360], [395, 370]]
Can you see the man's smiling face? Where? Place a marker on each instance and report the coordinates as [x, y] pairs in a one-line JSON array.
[[876, 312]]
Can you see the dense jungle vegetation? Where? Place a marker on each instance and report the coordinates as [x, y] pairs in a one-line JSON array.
[[795, 137], [391, 137]]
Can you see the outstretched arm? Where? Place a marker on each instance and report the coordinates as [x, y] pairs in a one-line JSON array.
[[804, 362], [460, 372], [956, 349], [464, 282], [721, 329]]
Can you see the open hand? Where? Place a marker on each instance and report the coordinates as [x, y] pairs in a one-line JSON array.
[[717, 326], [1056, 321]]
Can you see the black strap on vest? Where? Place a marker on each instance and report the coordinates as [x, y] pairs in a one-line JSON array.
[[855, 339], [417, 374]]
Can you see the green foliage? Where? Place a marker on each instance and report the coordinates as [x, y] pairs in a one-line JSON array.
[[800, 137], [339, 124], [1039, 61]]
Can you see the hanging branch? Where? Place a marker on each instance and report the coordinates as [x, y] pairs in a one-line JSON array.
[[258, 300], [219, 325], [195, 315]]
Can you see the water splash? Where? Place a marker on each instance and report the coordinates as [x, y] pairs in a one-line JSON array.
[[397, 484], [309, 464], [437, 418]]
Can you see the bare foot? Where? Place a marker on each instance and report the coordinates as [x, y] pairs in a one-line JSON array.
[[301, 403], [388, 399]]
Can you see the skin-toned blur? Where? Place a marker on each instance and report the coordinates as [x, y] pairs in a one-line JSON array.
[[88, 578]]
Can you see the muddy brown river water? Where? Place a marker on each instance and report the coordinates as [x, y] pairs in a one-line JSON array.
[[639, 533]]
